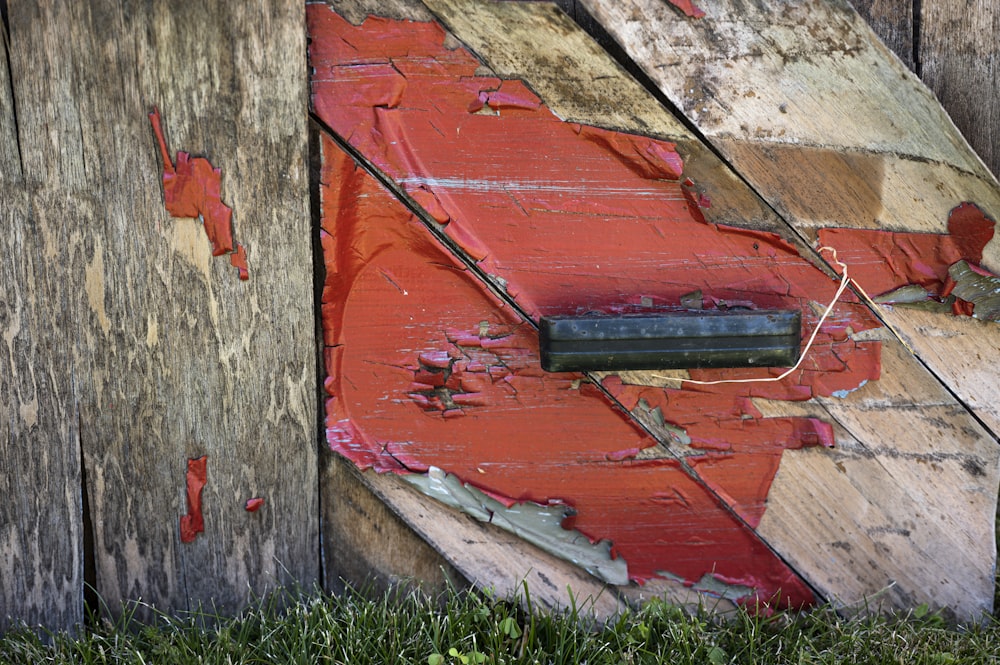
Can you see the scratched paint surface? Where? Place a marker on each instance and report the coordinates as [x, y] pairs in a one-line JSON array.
[[193, 188], [914, 267], [570, 219]]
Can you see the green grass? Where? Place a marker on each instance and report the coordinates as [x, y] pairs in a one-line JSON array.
[[467, 628]]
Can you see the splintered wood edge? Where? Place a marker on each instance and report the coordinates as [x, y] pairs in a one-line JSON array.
[[497, 560]]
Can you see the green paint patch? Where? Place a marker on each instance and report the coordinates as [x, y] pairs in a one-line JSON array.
[[540, 525]]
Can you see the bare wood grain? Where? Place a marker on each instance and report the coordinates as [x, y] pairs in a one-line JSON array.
[[41, 527], [10, 159], [168, 355], [958, 61], [899, 512], [366, 545], [41, 532]]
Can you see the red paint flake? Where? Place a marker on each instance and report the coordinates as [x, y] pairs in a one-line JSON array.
[[883, 261], [571, 219], [254, 504], [194, 189], [688, 7], [197, 475], [238, 260]]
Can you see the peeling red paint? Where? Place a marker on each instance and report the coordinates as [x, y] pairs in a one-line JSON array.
[[428, 369], [197, 475], [238, 260], [882, 262], [415, 341], [254, 504], [194, 189], [688, 7]]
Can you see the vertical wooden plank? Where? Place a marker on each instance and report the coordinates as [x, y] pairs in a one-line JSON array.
[[173, 357], [10, 159], [958, 61], [41, 564], [892, 21], [241, 101]]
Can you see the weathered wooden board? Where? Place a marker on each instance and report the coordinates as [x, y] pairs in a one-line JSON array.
[[831, 132], [494, 559], [876, 436], [958, 61], [892, 21], [366, 545], [908, 482], [151, 351], [41, 528], [884, 486]]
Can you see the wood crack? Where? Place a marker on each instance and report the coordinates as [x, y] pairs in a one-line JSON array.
[[91, 599], [10, 84]]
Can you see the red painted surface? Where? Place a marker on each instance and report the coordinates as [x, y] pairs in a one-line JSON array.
[[193, 188], [197, 475], [426, 368], [254, 504], [238, 260], [883, 261]]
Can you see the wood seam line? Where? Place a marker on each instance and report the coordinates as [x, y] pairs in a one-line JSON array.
[[10, 86], [91, 599], [425, 219], [646, 82], [313, 155]]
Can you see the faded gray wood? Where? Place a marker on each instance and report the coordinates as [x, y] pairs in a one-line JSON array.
[[41, 528], [960, 62], [156, 352], [892, 21]]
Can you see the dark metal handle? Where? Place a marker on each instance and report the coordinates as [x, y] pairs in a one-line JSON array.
[[670, 340]]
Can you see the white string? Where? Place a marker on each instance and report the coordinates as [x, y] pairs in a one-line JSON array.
[[844, 280]]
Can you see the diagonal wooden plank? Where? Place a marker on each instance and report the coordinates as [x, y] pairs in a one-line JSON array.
[[350, 260], [892, 21], [830, 135], [169, 355], [472, 23], [920, 489], [482, 553]]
